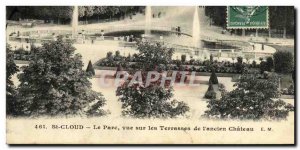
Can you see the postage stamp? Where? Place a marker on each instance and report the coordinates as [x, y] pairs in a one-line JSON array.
[[247, 17]]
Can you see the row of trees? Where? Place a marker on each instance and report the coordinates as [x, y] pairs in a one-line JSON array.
[[55, 84], [64, 13]]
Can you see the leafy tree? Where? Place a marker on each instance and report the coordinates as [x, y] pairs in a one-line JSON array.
[[117, 56], [270, 64], [150, 102], [284, 61], [12, 105], [151, 55], [90, 69], [54, 83], [109, 55], [252, 99], [217, 14], [291, 89], [213, 78], [263, 67], [61, 12], [100, 10], [154, 100], [86, 11]]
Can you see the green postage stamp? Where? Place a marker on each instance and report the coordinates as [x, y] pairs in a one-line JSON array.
[[247, 17]]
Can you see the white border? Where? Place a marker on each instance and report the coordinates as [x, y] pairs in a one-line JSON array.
[[121, 2]]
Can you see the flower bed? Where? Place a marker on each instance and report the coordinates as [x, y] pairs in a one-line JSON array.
[[114, 60], [21, 54]]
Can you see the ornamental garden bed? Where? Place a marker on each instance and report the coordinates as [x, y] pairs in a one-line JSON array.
[[114, 60]]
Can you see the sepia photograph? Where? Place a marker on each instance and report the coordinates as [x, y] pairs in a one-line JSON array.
[[150, 75]]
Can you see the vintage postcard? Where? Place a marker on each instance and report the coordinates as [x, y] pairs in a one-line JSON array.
[[150, 75]]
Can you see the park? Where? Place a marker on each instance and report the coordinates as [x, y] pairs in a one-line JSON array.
[[58, 64]]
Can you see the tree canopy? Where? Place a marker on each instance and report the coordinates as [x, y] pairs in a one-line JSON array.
[[154, 100], [253, 98], [65, 12], [283, 61], [11, 92], [54, 83]]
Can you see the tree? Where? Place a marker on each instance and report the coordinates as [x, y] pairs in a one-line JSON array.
[[263, 67], [86, 11], [213, 78], [270, 64], [90, 69], [99, 10], [61, 12], [12, 105], [151, 55], [252, 99], [150, 102], [284, 61], [210, 93], [109, 55], [154, 100], [54, 83], [239, 65]]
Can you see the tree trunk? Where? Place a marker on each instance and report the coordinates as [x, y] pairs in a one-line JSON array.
[[256, 33], [269, 32], [284, 32]]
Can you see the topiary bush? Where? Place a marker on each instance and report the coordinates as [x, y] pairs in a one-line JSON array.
[[210, 93], [90, 69], [213, 78]]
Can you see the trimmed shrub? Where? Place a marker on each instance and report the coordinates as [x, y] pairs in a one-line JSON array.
[[210, 93], [90, 68], [213, 78]]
